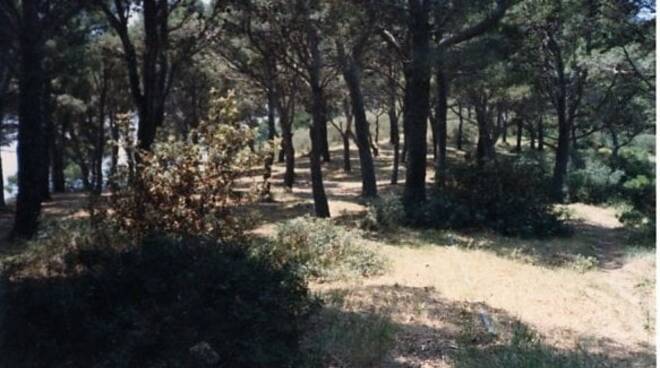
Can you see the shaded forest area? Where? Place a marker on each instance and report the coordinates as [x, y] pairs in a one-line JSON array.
[[261, 183]]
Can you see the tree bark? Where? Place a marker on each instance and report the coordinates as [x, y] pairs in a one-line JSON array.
[[114, 154], [30, 127], [485, 144], [519, 134], [416, 110], [459, 134], [321, 207], [270, 157], [352, 76], [45, 139], [541, 143], [346, 135], [442, 85], [394, 129], [286, 112]]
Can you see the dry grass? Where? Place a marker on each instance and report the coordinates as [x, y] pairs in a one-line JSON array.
[[585, 290]]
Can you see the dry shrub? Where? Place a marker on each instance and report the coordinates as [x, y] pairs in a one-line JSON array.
[[190, 187]]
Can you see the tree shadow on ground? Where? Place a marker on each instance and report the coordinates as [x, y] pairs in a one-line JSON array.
[[420, 328], [588, 246]]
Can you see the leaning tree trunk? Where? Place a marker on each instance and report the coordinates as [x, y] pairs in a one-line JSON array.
[[30, 127], [416, 110], [352, 75]]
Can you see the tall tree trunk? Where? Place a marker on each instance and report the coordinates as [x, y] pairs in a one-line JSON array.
[[485, 144], [394, 129], [321, 207], [459, 134], [416, 110], [286, 112], [346, 135], [30, 127], [519, 134], [323, 133], [114, 154], [270, 157], [505, 127], [442, 84], [46, 135], [57, 158], [100, 139], [541, 135], [352, 76], [3, 203], [562, 156]]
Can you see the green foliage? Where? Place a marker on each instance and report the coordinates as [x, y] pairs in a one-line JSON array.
[[321, 250], [385, 213], [166, 303], [189, 187], [509, 197], [638, 190], [597, 182], [525, 349]]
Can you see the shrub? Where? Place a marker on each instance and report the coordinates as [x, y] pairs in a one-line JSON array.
[[321, 250], [166, 303], [510, 197], [189, 187], [639, 191], [386, 213], [596, 183]]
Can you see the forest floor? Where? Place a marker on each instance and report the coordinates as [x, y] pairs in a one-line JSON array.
[[441, 289], [591, 290]]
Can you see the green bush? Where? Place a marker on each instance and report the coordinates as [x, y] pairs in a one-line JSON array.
[[509, 197], [386, 213], [638, 190], [163, 304], [596, 183], [321, 250]]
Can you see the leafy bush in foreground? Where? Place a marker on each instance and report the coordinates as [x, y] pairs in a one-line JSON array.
[[189, 186], [163, 304], [321, 250]]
